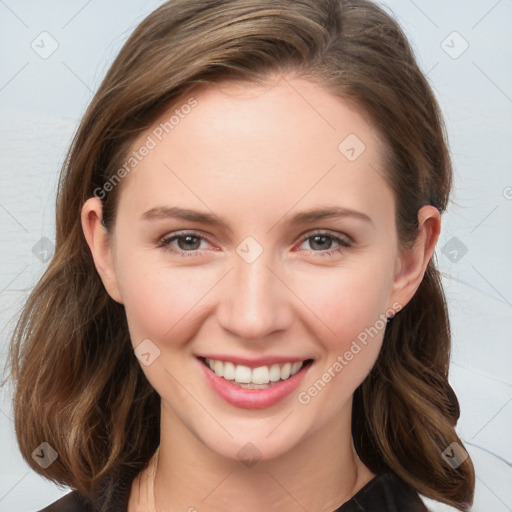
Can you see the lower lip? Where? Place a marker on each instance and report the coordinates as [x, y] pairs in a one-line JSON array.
[[253, 398]]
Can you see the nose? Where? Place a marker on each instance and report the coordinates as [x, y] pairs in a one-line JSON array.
[[255, 301]]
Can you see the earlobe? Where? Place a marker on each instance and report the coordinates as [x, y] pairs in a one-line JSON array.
[[100, 245], [412, 261]]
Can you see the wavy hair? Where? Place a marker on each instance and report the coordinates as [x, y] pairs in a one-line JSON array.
[[78, 385]]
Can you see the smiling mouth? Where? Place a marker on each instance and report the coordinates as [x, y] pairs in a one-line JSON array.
[[261, 377]]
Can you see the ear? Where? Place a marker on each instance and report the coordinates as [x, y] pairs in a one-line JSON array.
[[100, 245], [412, 261]]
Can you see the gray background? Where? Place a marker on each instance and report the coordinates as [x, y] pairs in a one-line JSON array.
[[465, 48]]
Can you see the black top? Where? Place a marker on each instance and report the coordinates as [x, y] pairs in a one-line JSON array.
[[384, 493]]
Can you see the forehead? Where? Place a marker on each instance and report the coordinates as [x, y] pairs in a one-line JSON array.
[[242, 147]]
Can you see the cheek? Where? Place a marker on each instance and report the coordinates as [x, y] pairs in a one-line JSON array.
[[352, 311], [160, 303], [346, 303], [338, 305]]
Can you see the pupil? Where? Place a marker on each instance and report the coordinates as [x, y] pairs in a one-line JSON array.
[[185, 242], [322, 239], [188, 242]]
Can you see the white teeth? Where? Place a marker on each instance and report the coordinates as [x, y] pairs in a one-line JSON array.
[[285, 371], [242, 374], [296, 367], [229, 371], [275, 373], [254, 378], [254, 386], [260, 375], [218, 368]]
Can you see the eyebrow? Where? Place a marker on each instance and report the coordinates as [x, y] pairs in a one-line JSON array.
[[306, 217]]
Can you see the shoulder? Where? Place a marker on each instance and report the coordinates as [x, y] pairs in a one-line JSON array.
[[71, 502], [385, 493], [113, 496]]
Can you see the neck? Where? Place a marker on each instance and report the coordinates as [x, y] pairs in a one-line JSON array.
[[186, 475]]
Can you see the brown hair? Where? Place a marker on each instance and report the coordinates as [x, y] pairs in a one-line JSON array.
[[79, 386]]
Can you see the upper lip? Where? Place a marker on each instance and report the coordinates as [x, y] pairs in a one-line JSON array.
[[254, 362]]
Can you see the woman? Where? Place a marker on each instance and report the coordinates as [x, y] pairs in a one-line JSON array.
[[243, 296]]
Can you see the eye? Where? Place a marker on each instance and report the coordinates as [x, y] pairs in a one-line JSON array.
[[322, 242], [188, 243]]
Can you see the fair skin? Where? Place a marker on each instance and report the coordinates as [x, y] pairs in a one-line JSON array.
[[256, 156]]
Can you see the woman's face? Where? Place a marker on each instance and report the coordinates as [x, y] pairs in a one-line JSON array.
[[223, 249]]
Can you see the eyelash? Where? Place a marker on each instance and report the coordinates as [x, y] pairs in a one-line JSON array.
[[166, 242]]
